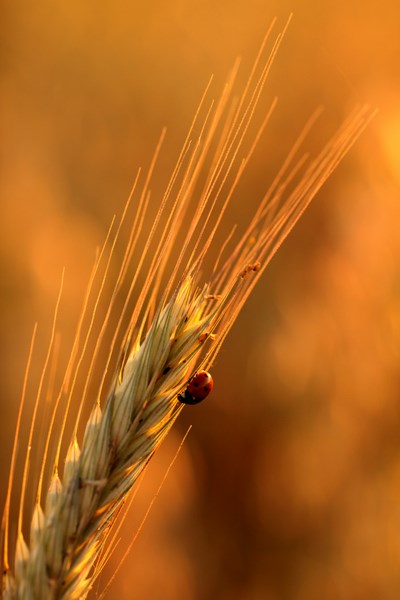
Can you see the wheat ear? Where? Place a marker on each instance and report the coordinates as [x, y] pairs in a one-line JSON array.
[[65, 539], [168, 337]]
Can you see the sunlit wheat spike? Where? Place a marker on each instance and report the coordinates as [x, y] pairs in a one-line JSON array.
[[117, 444], [173, 319]]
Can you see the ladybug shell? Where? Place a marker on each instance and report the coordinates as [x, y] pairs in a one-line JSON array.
[[198, 388]]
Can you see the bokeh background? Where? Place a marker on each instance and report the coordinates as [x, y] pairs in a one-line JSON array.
[[288, 486]]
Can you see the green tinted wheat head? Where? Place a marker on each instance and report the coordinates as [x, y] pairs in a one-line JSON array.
[[175, 315]]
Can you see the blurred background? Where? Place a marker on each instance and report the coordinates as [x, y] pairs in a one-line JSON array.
[[288, 486]]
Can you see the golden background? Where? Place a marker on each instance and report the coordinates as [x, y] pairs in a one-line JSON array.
[[288, 486]]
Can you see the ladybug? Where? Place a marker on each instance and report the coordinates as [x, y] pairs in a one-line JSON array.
[[198, 388]]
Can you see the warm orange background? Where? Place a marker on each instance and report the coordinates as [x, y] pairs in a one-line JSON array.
[[289, 484]]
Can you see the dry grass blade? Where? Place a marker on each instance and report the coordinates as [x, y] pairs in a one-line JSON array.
[[179, 319]]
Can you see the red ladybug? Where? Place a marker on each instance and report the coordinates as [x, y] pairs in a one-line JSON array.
[[197, 389]]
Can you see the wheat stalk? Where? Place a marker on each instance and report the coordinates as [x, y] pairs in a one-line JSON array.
[[175, 328]]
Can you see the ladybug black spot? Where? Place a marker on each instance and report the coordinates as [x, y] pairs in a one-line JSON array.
[[195, 383]]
